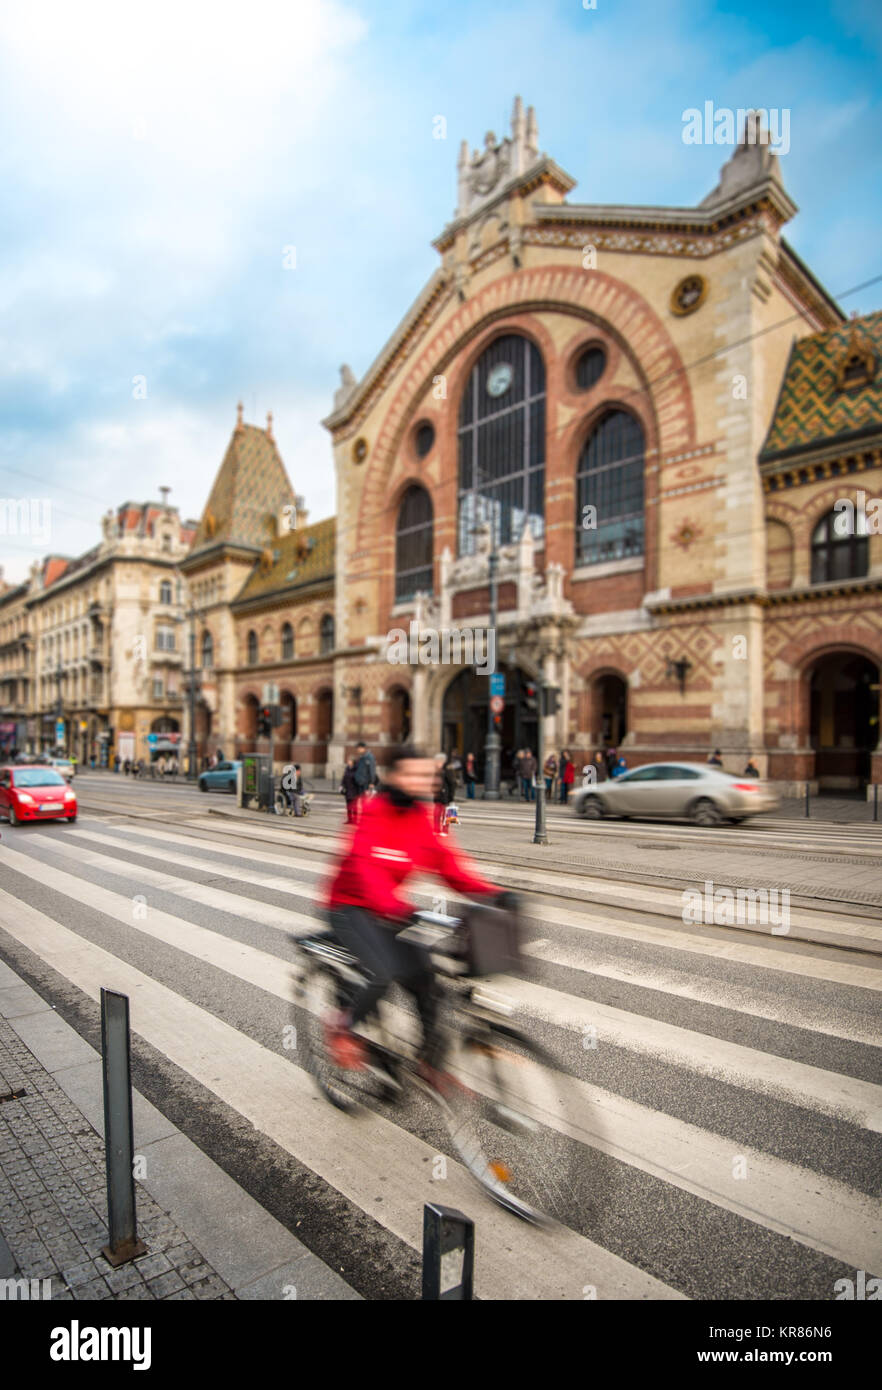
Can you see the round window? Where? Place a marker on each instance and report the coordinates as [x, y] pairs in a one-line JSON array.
[[359, 450], [590, 367], [424, 439]]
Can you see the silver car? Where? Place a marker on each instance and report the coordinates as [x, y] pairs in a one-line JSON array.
[[692, 791]]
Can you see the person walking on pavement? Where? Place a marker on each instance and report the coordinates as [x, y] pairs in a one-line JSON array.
[[715, 759], [365, 773], [567, 775], [470, 776], [349, 788], [445, 792], [550, 773], [751, 770], [531, 767], [612, 758]]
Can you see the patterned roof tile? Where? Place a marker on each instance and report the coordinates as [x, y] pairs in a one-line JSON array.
[[832, 388]]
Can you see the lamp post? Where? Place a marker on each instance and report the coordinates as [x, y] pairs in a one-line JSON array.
[[190, 614], [492, 746], [59, 714]]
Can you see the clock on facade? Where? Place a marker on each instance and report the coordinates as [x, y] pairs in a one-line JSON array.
[[499, 379]]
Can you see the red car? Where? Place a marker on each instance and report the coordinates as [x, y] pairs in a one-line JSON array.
[[35, 793]]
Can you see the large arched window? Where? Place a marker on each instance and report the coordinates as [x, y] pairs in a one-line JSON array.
[[609, 513], [287, 642], [326, 634], [207, 651], [502, 444], [839, 546], [413, 544], [252, 648]]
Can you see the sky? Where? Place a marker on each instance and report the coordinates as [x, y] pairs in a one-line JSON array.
[[158, 162]]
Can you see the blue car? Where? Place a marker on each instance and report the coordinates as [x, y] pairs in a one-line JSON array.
[[219, 779]]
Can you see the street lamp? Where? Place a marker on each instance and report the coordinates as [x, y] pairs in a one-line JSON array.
[[192, 614], [59, 714], [492, 743]]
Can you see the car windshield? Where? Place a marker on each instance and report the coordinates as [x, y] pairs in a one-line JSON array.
[[38, 777]]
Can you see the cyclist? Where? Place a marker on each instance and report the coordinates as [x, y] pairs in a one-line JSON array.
[[393, 840]]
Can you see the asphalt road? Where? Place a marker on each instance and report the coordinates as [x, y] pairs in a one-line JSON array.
[[728, 1080]]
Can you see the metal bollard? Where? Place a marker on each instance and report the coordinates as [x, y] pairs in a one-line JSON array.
[[448, 1254], [119, 1144]]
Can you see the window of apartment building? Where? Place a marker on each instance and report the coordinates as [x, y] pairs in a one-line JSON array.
[[165, 591], [287, 642], [165, 639], [326, 634], [252, 648], [207, 651]]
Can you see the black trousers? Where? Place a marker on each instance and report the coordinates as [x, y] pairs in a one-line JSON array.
[[387, 960]]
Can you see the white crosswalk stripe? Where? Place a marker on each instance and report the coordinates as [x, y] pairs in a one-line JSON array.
[[189, 896]]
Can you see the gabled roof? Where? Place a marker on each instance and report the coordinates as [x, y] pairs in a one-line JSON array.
[[296, 560], [248, 494], [832, 389]]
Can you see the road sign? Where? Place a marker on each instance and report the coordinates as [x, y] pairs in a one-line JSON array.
[[270, 694], [497, 683], [59, 731], [497, 704]]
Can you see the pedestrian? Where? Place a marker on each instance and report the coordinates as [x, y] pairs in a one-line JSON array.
[[612, 758], [620, 767], [292, 784], [716, 759], [567, 775], [366, 778], [550, 773], [471, 776], [751, 770], [445, 792], [600, 773], [531, 767], [127, 767], [349, 788]]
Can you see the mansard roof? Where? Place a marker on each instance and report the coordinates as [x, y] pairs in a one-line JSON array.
[[297, 560], [832, 390]]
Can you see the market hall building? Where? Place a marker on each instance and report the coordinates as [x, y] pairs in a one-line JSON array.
[[646, 417]]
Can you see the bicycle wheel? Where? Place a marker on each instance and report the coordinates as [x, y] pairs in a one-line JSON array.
[[514, 1122], [321, 992]]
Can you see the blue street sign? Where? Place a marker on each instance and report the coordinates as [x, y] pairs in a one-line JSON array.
[[497, 683], [59, 731]]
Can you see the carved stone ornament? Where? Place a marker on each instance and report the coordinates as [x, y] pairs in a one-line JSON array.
[[689, 295]]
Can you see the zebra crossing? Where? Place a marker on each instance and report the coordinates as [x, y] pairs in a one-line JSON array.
[[730, 1087]]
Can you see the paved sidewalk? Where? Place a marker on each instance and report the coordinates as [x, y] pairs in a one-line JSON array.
[[206, 1237]]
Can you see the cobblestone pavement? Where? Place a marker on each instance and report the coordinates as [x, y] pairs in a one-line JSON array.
[[53, 1201]]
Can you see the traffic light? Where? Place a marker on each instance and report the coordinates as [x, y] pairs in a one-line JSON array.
[[264, 721], [530, 695], [550, 699]]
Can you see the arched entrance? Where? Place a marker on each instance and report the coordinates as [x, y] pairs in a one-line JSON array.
[[248, 724], [610, 710], [465, 711], [324, 715], [399, 720], [843, 719]]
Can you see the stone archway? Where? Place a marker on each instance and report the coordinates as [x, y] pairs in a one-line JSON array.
[[465, 713], [843, 717]]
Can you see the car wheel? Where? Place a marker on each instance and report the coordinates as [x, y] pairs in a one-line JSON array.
[[705, 812], [13, 818], [71, 819], [591, 807], [202, 786], [231, 786]]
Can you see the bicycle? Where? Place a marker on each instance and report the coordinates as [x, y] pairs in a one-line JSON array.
[[508, 1111]]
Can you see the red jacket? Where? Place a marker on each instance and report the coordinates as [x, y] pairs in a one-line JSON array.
[[569, 774], [389, 844]]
